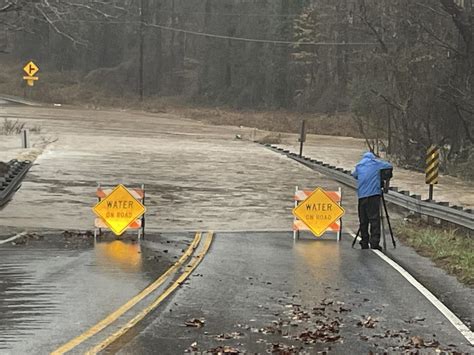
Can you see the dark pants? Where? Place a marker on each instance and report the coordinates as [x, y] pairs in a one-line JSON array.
[[369, 213]]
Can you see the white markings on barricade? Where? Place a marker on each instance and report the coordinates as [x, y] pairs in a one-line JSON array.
[[13, 238], [120, 209], [302, 196], [455, 321]]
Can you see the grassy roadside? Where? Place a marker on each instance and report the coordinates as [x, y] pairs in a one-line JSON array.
[[449, 249]]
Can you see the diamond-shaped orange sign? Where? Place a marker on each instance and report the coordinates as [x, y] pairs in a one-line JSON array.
[[31, 69], [318, 212], [119, 209]]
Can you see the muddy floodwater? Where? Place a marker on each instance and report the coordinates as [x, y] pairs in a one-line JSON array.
[[54, 287]]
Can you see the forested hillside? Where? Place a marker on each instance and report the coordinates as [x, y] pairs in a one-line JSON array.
[[403, 68]]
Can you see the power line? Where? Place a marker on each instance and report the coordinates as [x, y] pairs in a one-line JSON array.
[[254, 40], [241, 39], [227, 14]]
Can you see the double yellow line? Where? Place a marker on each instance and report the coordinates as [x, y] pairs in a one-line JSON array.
[[135, 300]]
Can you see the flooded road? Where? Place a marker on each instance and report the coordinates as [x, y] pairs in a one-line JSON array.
[[53, 289], [196, 176]]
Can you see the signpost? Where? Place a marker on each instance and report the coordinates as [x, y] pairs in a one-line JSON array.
[[302, 138], [119, 209], [432, 168], [31, 69], [318, 212]]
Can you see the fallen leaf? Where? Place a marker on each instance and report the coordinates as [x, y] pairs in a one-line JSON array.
[[224, 350], [417, 341], [227, 336], [195, 323], [367, 323], [327, 302], [432, 344], [282, 349], [192, 348]]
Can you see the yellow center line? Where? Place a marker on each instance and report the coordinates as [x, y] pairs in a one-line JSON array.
[[193, 265], [132, 302]]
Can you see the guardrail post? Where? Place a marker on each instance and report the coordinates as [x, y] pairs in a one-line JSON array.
[[432, 168]]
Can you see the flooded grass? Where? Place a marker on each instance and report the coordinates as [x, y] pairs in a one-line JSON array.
[[448, 248]]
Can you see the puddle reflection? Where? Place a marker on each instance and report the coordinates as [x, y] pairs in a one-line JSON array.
[[320, 257], [126, 256]]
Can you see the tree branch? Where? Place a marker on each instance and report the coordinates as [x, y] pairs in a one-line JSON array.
[[372, 28], [8, 7]]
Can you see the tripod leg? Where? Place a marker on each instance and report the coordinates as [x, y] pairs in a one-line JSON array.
[[355, 239], [388, 222]]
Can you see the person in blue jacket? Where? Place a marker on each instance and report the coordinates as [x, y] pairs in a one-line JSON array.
[[369, 191]]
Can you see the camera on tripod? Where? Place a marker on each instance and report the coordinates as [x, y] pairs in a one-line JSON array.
[[385, 176]]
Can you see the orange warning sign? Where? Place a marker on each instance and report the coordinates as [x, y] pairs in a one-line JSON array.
[[119, 209], [318, 212]]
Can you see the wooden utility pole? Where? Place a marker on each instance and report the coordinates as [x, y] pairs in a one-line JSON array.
[[389, 133], [141, 67]]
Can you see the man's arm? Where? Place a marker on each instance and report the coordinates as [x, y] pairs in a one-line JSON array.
[[355, 173], [384, 165]]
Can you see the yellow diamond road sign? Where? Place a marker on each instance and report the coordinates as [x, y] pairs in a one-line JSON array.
[[318, 212], [119, 209], [31, 69]]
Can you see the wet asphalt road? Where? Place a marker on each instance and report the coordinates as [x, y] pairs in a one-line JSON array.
[[54, 288], [251, 286]]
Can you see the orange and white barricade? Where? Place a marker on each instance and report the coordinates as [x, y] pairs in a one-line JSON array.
[[300, 196], [138, 224]]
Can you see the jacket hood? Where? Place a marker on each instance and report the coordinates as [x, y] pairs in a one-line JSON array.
[[369, 155]]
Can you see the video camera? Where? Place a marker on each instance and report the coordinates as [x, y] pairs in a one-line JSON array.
[[385, 176]]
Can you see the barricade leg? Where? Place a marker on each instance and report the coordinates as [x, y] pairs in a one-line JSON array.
[[143, 217], [296, 232], [339, 233]]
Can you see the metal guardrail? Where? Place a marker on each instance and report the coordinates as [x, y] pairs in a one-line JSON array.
[[11, 181], [17, 100], [441, 210]]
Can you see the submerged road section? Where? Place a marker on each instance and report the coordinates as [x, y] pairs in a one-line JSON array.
[[55, 286], [263, 292]]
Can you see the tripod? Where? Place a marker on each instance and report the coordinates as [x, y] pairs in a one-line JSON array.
[[383, 208]]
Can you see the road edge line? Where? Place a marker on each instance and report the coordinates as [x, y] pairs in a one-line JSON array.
[[450, 316], [11, 239], [112, 317], [140, 316]]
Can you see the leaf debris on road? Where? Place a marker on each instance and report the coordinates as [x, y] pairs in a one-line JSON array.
[[195, 323], [369, 322]]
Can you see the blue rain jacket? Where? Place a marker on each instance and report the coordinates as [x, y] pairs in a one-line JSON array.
[[367, 173]]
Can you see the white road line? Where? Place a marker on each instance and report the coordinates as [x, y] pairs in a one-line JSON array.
[[458, 324], [12, 238]]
